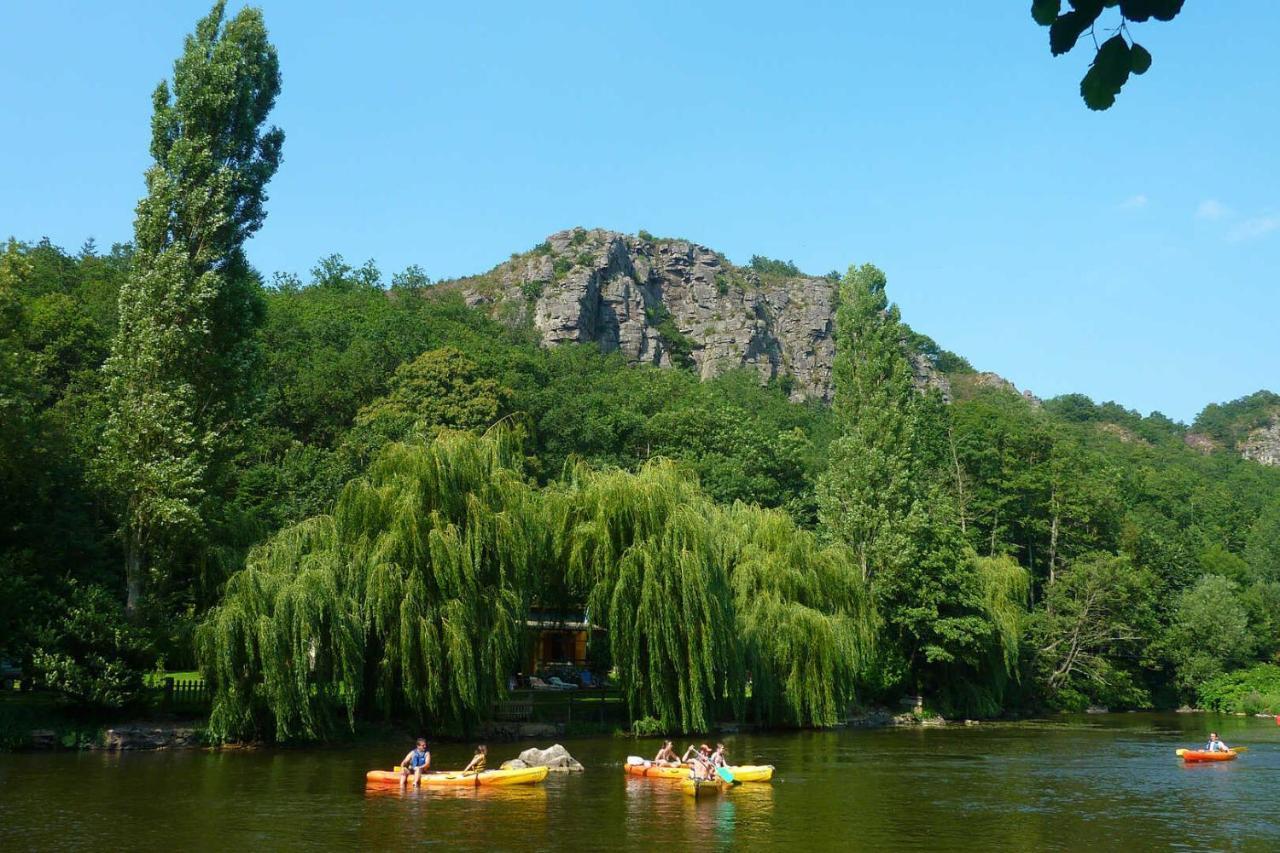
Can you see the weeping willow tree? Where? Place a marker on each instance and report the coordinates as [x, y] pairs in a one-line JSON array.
[[805, 619], [695, 597], [410, 597], [645, 550], [978, 685]]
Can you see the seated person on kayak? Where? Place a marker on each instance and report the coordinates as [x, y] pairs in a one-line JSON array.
[[718, 758], [700, 766], [1215, 744], [416, 762], [477, 760], [666, 756]]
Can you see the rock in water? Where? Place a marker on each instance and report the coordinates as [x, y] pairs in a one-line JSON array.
[[556, 758]]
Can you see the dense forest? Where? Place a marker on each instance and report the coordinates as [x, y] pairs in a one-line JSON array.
[[340, 496]]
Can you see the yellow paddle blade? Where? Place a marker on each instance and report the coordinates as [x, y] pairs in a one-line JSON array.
[[1239, 749], [1179, 752]]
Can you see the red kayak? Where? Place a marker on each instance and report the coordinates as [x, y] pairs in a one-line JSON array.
[[1193, 755]]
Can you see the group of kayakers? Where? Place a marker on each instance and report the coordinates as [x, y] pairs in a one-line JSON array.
[[418, 761], [702, 760]]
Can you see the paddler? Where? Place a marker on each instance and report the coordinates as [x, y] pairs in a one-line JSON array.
[[415, 763], [1215, 744], [718, 758], [477, 760], [701, 765], [666, 756]]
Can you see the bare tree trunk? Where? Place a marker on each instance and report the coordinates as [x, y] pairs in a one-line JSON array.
[[1053, 537], [133, 574], [959, 475]]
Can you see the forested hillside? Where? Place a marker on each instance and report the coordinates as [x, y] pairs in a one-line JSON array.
[[342, 496], [1151, 567]]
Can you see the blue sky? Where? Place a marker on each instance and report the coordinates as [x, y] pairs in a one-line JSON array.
[[1129, 255]]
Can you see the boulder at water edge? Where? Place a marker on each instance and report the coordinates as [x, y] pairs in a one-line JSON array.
[[556, 758]]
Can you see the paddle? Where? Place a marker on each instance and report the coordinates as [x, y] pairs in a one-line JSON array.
[[725, 775]]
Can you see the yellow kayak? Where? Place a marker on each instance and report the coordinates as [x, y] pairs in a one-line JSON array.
[[741, 773], [702, 787], [456, 778]]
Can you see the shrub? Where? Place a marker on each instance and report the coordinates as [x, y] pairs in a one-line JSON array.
[[532, 290], [92, 654], [645, 236], [1255, 690], [561, 267], [647, 727]]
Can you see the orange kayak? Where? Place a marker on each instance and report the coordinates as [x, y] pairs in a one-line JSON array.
[[1193, 755], [456, 778]]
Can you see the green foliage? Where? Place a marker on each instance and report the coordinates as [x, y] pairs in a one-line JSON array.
[[1228, 423], [645, 236], [884, 495], [409, 598], [679, 345], [532, 290], [440, 389], [181, 361], [1098, 616], [91, 653], [1255, 690], [561, 267], [1118, 55], [769, 267], [1209, 632]]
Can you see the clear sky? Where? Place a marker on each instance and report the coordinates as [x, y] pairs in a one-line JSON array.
[[1130, 255]]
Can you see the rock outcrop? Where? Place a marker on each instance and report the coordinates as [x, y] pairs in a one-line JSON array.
[[673, 303], [555, 758], [1262, 445]]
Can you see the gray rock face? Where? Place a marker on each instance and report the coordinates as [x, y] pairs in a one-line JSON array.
[[672, 302], [556, 758], [1262, 445]]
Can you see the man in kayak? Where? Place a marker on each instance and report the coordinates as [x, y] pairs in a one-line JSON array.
[[718, 758], [700, 763], [1215, 744], [666, 756], [477, 760], [415, 763]]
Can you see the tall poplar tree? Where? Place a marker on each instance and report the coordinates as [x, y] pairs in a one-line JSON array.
[[870, 489], [180, 362], [884, 497]]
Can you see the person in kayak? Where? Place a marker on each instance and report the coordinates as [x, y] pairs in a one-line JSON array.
[[700, 763], [666, 756], [415, 763], [477, 760], [1215, 744], [717, 758]]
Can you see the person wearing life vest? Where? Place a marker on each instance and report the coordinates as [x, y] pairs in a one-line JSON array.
[[478, 760], [417, 762], [1215, 744]]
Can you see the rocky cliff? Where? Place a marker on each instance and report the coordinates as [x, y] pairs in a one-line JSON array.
[[671, 302], [1263, 444]]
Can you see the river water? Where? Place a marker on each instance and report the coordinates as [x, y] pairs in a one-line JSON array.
[[1102, 782]]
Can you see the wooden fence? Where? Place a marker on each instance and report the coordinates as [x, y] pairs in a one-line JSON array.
[[185, 693]]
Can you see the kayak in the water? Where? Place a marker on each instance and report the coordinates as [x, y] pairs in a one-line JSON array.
[[1194, 755], [703, 787], [637, 766], [456, 778]]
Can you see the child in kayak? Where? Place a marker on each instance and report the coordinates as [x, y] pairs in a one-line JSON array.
[[700, 763], [666, 756], [477, 760], [415, 763], [1215, 744]]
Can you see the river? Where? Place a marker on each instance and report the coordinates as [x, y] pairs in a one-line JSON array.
[[1099, 782]]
